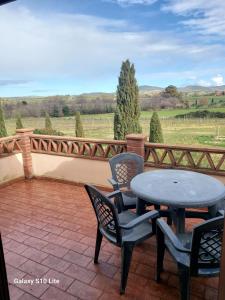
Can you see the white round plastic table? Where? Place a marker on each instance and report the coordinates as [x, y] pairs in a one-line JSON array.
[[179, 190]]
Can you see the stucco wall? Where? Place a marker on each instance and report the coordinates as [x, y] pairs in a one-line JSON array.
[[78, 170], [72, 169], [11, 167]]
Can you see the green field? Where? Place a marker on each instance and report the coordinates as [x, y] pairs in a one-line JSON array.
[[176, 131]]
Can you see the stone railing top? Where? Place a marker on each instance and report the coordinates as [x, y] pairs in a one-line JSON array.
[[135, 136], [24, 130], [185, 147], [78, 139]]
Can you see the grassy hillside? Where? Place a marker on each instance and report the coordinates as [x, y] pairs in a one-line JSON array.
[[189, 132]]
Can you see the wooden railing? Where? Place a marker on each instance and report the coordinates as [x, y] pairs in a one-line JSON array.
[[10, 145], [78, 147], [207, 160]]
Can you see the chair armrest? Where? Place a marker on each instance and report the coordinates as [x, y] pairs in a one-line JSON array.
[[220, 212], [167, 231], [150, 215], [114, 183], [114, 194], [118, 199]]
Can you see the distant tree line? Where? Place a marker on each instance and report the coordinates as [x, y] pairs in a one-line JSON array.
[[58, 106], [201, 114]]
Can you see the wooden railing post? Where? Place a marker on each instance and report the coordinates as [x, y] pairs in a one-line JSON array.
[[136, 143], [25, 145], [222, 271]]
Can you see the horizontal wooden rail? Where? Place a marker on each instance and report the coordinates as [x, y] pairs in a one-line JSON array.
[[78, 147], [10, 145], [207, 160]]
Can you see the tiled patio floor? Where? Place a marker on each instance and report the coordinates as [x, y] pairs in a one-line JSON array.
[[48, 233]]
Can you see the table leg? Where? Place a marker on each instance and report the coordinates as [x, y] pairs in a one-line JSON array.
[[180, 220], [140, 210], [213, 211]]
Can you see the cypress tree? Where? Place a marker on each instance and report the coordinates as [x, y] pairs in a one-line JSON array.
[[78, 126], [3, 131], [156, 135], [126, 118], [48, 123], [19, 123]]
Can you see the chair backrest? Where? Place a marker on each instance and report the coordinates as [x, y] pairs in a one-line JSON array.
[[106, 214], [125, 166], [206, 245]]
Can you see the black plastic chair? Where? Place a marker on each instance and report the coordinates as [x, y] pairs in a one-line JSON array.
[[197, 253], [124, 230], [124, 168], [4, 289]]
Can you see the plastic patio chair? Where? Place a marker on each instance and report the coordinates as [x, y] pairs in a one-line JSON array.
[[196, 254], [124, 230], [4, 289], [124, 167]]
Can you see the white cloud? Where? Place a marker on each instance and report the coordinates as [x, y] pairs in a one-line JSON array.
[[218, 80], [82, 46], [132, 2], [203, 82], [206, 17]]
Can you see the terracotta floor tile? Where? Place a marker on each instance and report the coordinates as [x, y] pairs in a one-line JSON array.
[[56, 263], [26, 296], [35, 243], [72, 235], [15, 246], [50, 226], [14, 259], [55, 294], [75, 246], [35, 254], [35, 289], [55, 239], [34, 269], [80, 273], [77, 258], [14, 273], [83, 291], [59, 280], [14, 292], [103, 268], [18, 236], [55, 250]]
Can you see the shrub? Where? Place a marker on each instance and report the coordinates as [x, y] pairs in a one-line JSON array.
[[79, 131], [19, 123], [156, 135], [48, 123], [3, 131], [48, 132]]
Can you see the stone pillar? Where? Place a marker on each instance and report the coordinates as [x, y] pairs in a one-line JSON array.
[[25, 145], [136, 143]]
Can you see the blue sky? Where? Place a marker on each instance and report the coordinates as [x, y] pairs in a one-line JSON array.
[[53, 47]]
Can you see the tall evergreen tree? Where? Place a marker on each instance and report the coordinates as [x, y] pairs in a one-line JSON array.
[[79, 131], [126, 118], [156, 135], [19, 123], [3, 131], [48, 123]]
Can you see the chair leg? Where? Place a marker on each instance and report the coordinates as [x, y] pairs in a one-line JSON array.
[[160, 254], [4, 289], [169, 218], [184, 278], [97, 245], [126, 253]]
